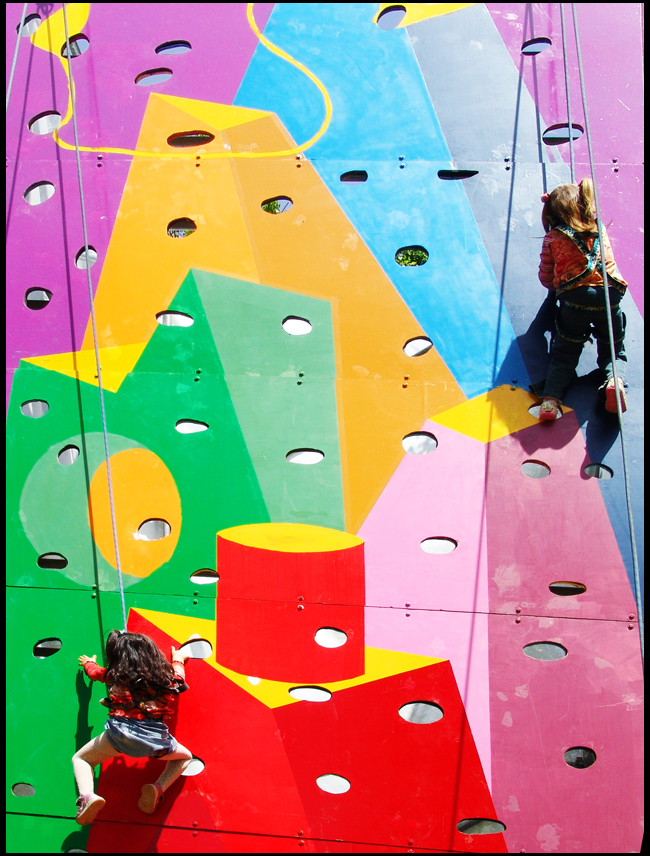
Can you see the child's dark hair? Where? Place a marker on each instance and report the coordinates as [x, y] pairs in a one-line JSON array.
[[134, 660], [571, 204]]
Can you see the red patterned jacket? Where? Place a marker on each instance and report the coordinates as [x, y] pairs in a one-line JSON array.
[[561, 260], [123, 705]]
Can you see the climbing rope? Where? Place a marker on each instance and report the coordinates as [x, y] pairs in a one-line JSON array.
[[610, 329], [568, 95], [94, 322], [15, 59]]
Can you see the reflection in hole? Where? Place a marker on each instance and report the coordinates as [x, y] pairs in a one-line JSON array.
[[174, 319], [22, 789], [30, 25], [480, 826], [44, 123], [204, 577], [310, 693], [52, 561], [46, 647], [411, 256], [535, 469], [181, 227], [68, 455], [153, 76], [189, 139], [566, 589], [295, 326], [305, 456], [78, 44], [421, 712], [191, 426], [555, 135], [580, 757], [195, 767], [277, 205], [153, 530], [34, 408], [598, 471], [418, 346], [391, 17], [545, 651], [37, 298], [197, 648], [177, 46], [438, 545], [535, 46], [333, 784], [39, 192], [330, 637], [355, 176], [419, 443], [456, 174], [85, 259]]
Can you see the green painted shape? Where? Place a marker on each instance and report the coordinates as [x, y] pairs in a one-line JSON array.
[[282, 387], [40, 752], [27, 833], [49, 531]]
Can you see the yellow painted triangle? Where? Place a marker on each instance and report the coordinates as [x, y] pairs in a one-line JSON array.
[[494, 414], [50, 35], [421, 11], [219, 116], [379, 663], [116, 363]]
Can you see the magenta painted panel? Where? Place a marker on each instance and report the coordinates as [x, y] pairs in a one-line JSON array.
[[606, 30], [539, 709], [439, 494], [541, 530]]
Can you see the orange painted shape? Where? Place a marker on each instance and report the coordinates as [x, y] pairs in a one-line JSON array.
[[143, 489]]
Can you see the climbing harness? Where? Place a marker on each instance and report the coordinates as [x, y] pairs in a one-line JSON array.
[[594, 261], [15, 59], [610, 330], [94, 322]]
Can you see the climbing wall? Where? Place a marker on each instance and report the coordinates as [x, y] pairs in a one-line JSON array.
[[314, 232]]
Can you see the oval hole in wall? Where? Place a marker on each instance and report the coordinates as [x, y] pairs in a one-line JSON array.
[[535, 46], [44, 123], [46, 647], [277, 205], [195, 767], [419, 443], [153, 76], [555, 135], [37, 298], [191, 426], [68, 455], [39, 192], [181, 227], [189, 139], [421, 712], [564, 588], [580, 757], [330, 637], [204, 577], [535, 469], [598, 471], [456, 174], [310, 693], [154, 529], [174, 319], [438, 545], [414, 256], [34, 408], [305, 456], [30, 25], [534, 411], [295, 326], [177, 46], [391, 17], [197, 649], [52, 561], [333, 784], [480, 826], [85, 259], [545, 651], [22, 789], [79, 44], [418, 346], [355, 176]]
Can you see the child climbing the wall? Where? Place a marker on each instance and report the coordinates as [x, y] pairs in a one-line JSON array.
[[571, 264], [141, 686]]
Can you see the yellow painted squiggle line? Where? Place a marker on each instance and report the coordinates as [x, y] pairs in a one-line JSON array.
[[209, 156]]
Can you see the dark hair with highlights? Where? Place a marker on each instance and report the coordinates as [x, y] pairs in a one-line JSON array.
[[573, 205], [134, 660]]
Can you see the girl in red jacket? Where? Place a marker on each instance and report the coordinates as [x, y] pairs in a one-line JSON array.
[[141, 686], [571, 264]]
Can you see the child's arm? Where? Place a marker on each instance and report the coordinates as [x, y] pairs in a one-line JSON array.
[[90, 667], [546, 264], [178, 665]]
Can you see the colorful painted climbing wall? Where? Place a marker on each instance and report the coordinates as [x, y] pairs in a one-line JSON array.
[[313, 239]]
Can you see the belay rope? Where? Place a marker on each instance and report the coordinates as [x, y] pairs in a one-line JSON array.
[[94, 322]]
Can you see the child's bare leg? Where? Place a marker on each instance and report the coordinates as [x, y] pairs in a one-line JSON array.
[[177, 762], [98, 750]]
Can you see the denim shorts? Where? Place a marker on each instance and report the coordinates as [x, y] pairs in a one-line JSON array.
[[140, 738]]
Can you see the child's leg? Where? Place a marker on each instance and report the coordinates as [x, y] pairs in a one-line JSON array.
[[98, 750], [177, 762], [573, 328], [604, 350]]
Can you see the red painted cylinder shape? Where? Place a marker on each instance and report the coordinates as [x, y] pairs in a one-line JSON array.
[[287, 594]]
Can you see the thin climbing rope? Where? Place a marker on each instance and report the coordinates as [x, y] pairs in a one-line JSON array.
[[15, 59], [610, 329], [94, 322], [568, 95]]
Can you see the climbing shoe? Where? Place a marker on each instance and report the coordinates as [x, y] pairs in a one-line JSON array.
[[151, 796], [88, 807], [610, 396], [549, 410]]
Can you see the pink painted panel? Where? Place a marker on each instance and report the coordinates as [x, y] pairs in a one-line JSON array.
[[432, 495], [460, 637], [549, 529], [538, 709]]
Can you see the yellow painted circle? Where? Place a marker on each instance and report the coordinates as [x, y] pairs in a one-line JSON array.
[[290, 537], [143, 489]]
